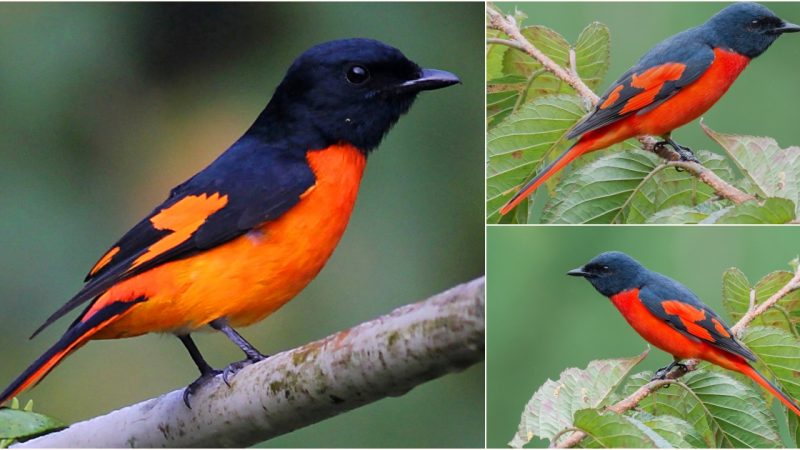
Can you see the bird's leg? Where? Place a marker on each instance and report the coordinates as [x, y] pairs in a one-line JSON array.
[[253, 355], [685, 153], [206, 371], [664, 371]]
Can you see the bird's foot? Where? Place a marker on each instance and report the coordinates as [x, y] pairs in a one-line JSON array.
[[685, 153], [662, 373], [233, 368], [204, 378]]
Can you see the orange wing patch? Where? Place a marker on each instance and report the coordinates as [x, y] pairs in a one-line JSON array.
[[689, 316], [612, 97], [184, 218], [651, 80], [104, 260]]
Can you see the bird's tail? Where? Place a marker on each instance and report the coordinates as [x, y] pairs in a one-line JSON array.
[[756, 376], [77, 335], [570, 154]]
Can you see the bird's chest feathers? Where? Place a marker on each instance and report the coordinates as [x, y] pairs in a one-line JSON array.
[[715, 82], [638, 316]]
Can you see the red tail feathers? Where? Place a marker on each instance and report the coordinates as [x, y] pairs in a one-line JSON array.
[[568, 156], [766, 384]]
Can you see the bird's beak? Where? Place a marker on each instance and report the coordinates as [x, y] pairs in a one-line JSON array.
[[429, 80], [579, 272], [787, 28]]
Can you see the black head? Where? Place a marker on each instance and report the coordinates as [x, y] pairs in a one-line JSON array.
[[747, 28], [350, 90], [612, 272]]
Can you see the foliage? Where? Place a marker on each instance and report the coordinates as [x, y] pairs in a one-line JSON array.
[[530, 111], [708, 407], [19, 424]]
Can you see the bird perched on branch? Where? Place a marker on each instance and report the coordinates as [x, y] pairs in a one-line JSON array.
[[246, 234], [672, 84], [668, 315]]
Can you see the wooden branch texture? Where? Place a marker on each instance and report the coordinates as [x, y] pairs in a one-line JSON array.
[[387, 356]]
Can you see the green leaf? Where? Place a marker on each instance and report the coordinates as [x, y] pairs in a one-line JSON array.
[[517, 146], [779, 350], [673, 401], [627, 187], [494, 55], [20, 424], [593, 54], [612, 430], [552, 407], [736, 413], [736, 299], [794, 430], [678, 432], [771, 211], [773, 171]]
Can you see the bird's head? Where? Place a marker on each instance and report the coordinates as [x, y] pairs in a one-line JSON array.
[[747, 28], [350, 91], [611, 273]]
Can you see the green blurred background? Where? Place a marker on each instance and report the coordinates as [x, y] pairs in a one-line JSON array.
[[762, 101], [105, 107], [541, 321]]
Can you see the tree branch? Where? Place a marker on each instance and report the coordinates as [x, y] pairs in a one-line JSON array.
[[508, 25], [640, 394], [387, 356]]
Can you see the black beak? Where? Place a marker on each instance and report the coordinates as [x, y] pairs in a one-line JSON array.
[[429, 80], [787, 28], [579, 272]]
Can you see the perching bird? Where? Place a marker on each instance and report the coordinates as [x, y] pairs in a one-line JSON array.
[[668, 315], [246, 234], [672, 84]]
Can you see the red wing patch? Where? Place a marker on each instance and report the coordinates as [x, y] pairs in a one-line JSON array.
[[689, 316], [613, 96], [720, 328], [183, 218], [651, 80]]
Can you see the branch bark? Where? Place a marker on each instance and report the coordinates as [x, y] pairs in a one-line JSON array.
[[640, 394], [387, 356], [508, 25]]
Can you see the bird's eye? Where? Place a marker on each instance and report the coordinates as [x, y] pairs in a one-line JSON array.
[[755, 22], [357, 75], [605, 268]]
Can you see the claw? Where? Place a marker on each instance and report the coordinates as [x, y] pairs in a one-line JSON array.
[[231, 370], [198, 383], [662, 373]]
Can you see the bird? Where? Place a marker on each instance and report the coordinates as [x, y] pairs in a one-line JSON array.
[[674, 83], [246, 234], [670, 316]]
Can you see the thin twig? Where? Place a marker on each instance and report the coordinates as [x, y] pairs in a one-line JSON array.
[[507, 25], [633, 400]]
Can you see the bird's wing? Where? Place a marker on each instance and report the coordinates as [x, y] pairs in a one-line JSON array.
[[659, 75], [243, 188], [676, 305]]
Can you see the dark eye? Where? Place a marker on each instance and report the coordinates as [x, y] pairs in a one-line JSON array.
[[357, 75]]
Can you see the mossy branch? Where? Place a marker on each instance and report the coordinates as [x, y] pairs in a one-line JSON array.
[[387, 356]]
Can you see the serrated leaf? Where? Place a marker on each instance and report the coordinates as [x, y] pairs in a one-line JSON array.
[[676, 402], [770, 211], [627, 187], [552, 407], [678, 432], [735, 412], [19, 424], [593, 54], [494, 55], [773, 171], [780, 352], [517, 146], [736, 299], [612, 430]]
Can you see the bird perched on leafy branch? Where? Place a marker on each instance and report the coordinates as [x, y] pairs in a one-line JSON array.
[[671, 317], [245, 235], [672, 84]]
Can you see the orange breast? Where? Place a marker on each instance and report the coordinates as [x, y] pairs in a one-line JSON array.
[[685, 106], [251, 276]]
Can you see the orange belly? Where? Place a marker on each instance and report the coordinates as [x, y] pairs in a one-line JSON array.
[[249, 277], [687, 105]]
